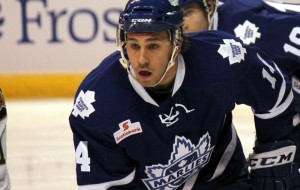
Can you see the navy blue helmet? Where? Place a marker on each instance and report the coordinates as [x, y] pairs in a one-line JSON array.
[[151, 16]]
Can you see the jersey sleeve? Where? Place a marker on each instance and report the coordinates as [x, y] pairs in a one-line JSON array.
[[100, 162], [267, 89]]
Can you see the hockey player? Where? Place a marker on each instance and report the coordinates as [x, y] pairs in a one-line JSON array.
[[198, 15], [4, 177], [273, 26], [156, 114]]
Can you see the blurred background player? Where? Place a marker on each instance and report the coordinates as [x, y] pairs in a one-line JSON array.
[[163, 120], [4, 177], [273, 26]]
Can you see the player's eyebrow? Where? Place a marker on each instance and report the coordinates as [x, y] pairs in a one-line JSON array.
[[152, 37], [147, 40]]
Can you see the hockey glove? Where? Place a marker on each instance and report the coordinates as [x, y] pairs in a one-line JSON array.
[[272, 167]]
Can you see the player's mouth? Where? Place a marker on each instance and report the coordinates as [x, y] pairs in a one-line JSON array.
[[145, 74], [144, 77]]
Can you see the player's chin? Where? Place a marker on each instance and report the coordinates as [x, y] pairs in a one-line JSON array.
[[146, 83]]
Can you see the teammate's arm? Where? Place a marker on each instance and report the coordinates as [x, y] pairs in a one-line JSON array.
[[272, 162]]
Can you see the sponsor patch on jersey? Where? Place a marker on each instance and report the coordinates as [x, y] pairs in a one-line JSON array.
[[126, 130], [247, 32], [83, 105], [186, 159], [232, 50], [2, 106]]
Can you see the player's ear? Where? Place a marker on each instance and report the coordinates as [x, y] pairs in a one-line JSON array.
[[180, 41], [179, 44]]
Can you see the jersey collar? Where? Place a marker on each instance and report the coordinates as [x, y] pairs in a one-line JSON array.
[[140, 90]]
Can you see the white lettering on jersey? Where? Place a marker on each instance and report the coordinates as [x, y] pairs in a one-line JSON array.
[[127, 129], [233, 50], [294, 47], [186, 159], [172, 118], [83, 105], [82, 156], [247, 32]]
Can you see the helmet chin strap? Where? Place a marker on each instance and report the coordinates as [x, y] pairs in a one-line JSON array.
[[210, 18], [170, 64]]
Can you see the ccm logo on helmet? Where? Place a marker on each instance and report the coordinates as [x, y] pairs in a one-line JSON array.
[[141, 20], [270, 159]]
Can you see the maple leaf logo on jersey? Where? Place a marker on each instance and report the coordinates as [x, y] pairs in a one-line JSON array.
[[233, 50], [186, 159], [83, 105], [247, 32]]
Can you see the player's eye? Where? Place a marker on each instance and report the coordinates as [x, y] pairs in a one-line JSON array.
[[153, 46], [133, 45], [187, 13]]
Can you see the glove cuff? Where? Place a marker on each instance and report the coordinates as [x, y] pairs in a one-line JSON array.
[[272, 158]]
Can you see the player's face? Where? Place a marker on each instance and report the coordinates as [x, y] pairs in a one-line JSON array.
[[195, 19], [149, 54]]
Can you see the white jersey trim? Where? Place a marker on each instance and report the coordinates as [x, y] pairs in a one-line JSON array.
[[179, 75], [284, 6], [109, 184], [279, 109], [189, 184], [227, 155], [143, 93]]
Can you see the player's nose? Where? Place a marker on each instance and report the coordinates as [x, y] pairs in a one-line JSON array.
[[143, 57]]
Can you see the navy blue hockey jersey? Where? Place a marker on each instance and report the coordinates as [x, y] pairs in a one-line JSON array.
[[273, 27], [124, 139]]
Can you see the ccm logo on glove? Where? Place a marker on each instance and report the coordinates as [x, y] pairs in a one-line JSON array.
[[273, 158]]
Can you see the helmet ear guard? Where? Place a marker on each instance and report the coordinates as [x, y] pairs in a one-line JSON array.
[[120, 41]]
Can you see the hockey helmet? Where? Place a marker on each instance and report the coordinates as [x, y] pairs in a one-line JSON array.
[[151, 16]]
